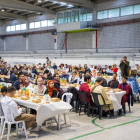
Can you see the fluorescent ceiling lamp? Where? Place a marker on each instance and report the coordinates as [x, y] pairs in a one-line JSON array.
[[70, 6], [2, 10], [62, 3], [55, 2], [39, 0]]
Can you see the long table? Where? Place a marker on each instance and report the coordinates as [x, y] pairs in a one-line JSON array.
[[45, 111]]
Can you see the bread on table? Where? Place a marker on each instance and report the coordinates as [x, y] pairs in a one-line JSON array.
[[63, 84], [107, 88], [16, 95], [33, 94], [40, 97], [36, 100], [25, 98], [72, 85], [55, 99], [117, 90]]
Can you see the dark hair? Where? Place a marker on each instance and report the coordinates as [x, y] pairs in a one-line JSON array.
[[125, 57], [46, 57], [21, 83], [95, 67], [99, 79], [99, 72], [110, 67], [4, 89], [39, 73], [76, 68], [115, 73], [34, 67], [80, 72], [88, 72], [42, 68], [11, 89], [20, 67], [55, 74], [20, 73], [87, 78], [74, 72], [125, 77], [46, 71]]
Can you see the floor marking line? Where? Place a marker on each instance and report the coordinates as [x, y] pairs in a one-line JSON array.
[[93, 121]]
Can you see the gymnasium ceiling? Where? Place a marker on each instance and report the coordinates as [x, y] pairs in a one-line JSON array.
[[21, 9]]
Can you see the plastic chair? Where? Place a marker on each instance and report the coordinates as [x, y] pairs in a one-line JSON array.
[[68, 101], [96, 102], [2, 122], [84, 102], [4, 107]]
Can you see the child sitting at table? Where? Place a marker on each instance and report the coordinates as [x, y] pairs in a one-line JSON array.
[[73, 79]]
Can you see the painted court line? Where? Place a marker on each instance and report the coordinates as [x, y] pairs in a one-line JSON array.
[[102, 128]]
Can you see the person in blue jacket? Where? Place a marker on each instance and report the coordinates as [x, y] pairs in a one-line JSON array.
[[65, 75], [134, 82]]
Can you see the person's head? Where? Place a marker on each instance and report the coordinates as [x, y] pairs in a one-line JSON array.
[[76, 69], [124, 58], [20, 68], [24, 67], [55, 71], [106, 66], [87, 79], [85, 66], [51, 84], [21, 85], [54, 64], [39, 81], [114, 66], [21, 76], [82, 69], [137, 66], [47, 72], [110, 67], [64, 72], [34, 68], [66, 65], [11, 91], [47, 58], [99, 74], [19, 65], [4, 91], [39, 75], [61, 66], [99, 66], [103, 70], [74, 74], [124, 79], [88, 73], [114, 76], [26, 79], [96, 67], [42, 69], [16, 72], [45, 75], [46, 66], [56, 76], [79, 65], [99, 80], [91, 65], [80, 74]]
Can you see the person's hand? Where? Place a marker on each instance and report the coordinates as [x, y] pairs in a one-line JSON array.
[[124, 62], [121, 61], [18, 107]]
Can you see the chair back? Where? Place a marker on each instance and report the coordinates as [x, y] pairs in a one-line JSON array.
[[131, 85], [96, 99], [68, 97], [83, 96], [7, 108]]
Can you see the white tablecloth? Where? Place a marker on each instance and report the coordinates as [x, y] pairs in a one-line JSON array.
[[116, 99], [66, 87], [45, 111]]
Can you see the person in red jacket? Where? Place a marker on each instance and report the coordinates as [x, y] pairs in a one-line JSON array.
[[127, 88], [115, 69]]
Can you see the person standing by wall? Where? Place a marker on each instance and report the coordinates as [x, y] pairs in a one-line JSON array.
[[124, 66], [48, 61]]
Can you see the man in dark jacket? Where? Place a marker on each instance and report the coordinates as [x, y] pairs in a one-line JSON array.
[[57, 85], [124, 66], [34, 70], [13, 76], [64, 75], [104, 84], [17, 82], [49, 75], [113, 83]]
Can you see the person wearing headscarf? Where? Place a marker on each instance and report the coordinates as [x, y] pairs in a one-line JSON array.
[[51, 90], [40, 88], [26, 82]]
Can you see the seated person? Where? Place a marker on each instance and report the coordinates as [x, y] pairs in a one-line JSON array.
[[115, 69], [80, 78], [73, 79], [104, 71], [100, 89], [126, 87], [39, 75], [26, 82], [40, 88], [89, 74], [57, 85], [13, 76], [45, 76], [55, 71], [3, 93], [85, 87], [65, 75], [34, 70], [109, 71], [49, 75], [20, 80], [17, 111], [76, 70], [21, 85], [134, 82], [51, 90], [113, 83], [104, 83], [86, 68]]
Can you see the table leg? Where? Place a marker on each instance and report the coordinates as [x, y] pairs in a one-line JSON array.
[[58, 125]]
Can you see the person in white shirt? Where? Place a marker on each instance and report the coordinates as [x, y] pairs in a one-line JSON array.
[[93, 79], [17, 111], [80, 78], [91, 67]]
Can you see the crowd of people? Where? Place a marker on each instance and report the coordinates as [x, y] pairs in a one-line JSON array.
[[47, 83]]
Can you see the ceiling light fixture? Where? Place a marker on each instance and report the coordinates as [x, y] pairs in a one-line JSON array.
[[39, 0], [2, 10]]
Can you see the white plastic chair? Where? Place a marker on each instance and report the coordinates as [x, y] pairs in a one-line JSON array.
[[4, 106], [132, 89], [2, 122], [68, 100]]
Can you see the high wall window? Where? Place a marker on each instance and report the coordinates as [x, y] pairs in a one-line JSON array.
[[31, 25], [51, 22], [117, 12], [44, 23], [16, 27], [59, 18], [113, 13], [127, 10], [75, 15], [89, 16], [37, 24], [67, 17]]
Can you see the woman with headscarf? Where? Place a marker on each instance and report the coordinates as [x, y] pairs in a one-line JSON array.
[[40, 88], [51, 90], [26, 82]]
